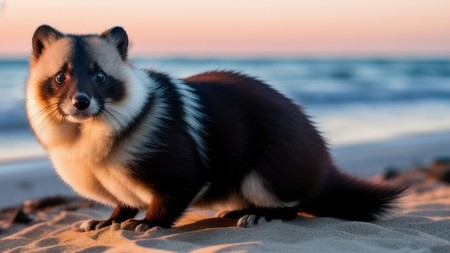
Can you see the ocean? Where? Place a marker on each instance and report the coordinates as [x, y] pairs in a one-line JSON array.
[[351, 101]]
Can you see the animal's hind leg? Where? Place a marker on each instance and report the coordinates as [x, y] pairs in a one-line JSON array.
[[252, 216]]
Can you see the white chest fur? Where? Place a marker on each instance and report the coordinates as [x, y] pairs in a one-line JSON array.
[[88, 167]]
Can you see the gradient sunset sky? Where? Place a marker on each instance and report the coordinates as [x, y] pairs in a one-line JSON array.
[[242, 27]]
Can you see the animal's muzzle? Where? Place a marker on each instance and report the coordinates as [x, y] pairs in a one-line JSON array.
[[81, 101]]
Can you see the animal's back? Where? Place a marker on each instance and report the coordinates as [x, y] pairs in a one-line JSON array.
[[268, 151], [252, 129]]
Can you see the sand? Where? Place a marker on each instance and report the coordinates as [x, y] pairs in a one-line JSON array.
[[422, 226], [421, 223]]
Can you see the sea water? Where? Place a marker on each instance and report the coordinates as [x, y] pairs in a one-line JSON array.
[[351, 101]]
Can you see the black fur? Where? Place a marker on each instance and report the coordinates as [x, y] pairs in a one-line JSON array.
[[253, 127], [350, 198], [250, 127]]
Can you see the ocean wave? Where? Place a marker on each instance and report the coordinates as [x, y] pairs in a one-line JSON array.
[[312, 82]]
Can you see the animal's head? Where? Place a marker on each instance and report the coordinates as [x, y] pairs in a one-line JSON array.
[[75, 77], [81, 82]]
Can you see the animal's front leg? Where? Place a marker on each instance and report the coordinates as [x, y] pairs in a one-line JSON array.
[[163, 211], [119, 215]]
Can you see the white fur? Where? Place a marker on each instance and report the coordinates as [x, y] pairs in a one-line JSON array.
[[137, 93], [78, 163], [255, 191], [149, 129], [192, 116]]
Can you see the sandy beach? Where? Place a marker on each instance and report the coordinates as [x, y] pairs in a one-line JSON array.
[[40, 214]]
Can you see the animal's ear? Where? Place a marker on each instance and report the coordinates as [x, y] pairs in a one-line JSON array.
[[119, 38], [43, 37]]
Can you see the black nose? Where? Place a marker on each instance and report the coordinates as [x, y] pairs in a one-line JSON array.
[[81, 101]]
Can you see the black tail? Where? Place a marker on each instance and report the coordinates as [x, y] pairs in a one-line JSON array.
[[346, 197]]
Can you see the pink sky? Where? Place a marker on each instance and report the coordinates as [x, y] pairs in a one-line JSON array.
[[242, 27]]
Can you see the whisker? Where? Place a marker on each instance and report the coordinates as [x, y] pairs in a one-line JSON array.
[[51, 115], [42, 116], [113, 118], [125, 107], [116, 113], [43, 110], [30, 98]]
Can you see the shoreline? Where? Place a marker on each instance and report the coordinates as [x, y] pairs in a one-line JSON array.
[[370, 159]]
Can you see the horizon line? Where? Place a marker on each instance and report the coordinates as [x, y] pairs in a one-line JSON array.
[[267, 56]]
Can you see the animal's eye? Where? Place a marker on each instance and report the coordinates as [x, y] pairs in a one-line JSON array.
[[100, 77], [60, 77]]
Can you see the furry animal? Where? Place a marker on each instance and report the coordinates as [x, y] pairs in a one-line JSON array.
[[140, 139]]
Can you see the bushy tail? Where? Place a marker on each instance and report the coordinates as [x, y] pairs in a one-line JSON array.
[[346, 197]]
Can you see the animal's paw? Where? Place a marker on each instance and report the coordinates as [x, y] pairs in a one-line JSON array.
[[245, 220], [136, 225], [90, 225], [251, 220]]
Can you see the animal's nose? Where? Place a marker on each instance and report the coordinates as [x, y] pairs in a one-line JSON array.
[[81, 101]]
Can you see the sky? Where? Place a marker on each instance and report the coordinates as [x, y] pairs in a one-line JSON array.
[[242, 27]]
